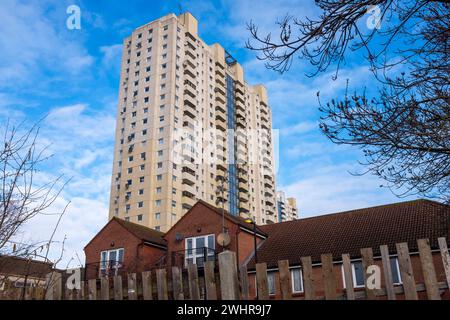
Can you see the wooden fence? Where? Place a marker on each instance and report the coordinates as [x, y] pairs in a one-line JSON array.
[[229, 283]]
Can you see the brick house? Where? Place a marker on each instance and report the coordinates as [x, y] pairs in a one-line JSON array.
[[348, 232], [194, 238], [122, 246]]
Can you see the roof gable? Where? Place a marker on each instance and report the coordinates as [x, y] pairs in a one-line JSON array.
[[140, 232], [210, 208]]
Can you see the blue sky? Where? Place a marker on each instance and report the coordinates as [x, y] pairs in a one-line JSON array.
[[72, 76]]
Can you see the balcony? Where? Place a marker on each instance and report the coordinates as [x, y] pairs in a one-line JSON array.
[[189, 53], [220, 72], [240, 105], [189, 100], [220, 97], [189, 112], [243, 197], [187, 202], [243, 187], [189, 70], [239, 87], [188, 178], [239, 97], [240, 113], [241, 122], [244, 207], [241, 140], [221, 107], [243, 177], [221, 124], [220, 81]]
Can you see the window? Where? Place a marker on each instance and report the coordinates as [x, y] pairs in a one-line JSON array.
[[140, 204], [199, 248], [271, 281], [396, 276], [158, 190], [139, 217], [158, 203], [297, 280], [141, 192], [358, 274], [111, 260], [157, 215]]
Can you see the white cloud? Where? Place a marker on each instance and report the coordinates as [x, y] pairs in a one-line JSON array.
[[32, 43], [329, 189]]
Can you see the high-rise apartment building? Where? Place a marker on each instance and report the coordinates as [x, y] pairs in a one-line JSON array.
[[188, 127], [286, 207]]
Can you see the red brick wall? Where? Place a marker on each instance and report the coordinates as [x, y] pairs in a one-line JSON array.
[[202, 221], [337, 270], [137, 256]]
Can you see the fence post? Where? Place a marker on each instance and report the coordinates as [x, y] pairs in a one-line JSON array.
[[244, 282], [92, 287], [161, 284], [262, 282], [147, 285], [194, 291], [308, 278], [53, 286], [387, 271], [445, 259], [329, 282], [210, 284], [428, 270], [229, 285], [177, 284], [132, 286], [367, 260], [404, 261], [285, 279], [118, 292], [104, 288], [348, 277]]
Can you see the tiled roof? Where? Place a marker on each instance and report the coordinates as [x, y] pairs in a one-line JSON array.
[[348, 232], [19, 266], [142, 232], [236, 219]]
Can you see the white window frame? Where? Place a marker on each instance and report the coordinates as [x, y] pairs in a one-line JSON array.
[[398, 272], [106, 265], [353, 276], [271, 274], [301, 280], [193, 251]]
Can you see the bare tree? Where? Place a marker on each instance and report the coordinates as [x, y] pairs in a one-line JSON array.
[[23, 197], [403, 131]]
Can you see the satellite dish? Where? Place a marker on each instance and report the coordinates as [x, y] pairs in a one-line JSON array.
[[223, 239]]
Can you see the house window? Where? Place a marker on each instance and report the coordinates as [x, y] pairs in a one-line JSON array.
[[358, 274], [111, 261], [199, 248], [271, 282], [297, 280], [139, 217], [396, 276]]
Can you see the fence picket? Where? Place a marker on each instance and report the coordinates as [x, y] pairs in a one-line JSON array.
[[404, 261], [194, 291], [367, 260], [177, 284], [92, 285], [329, 282], [429, 272], [147, 292], [285, 279], [445, 258], [229, 283], [308, 278], [387, 271], [244, 282], [132, 286], [104, 288], [210, 283], [161, 284], [262, 283], [53, 286], [118, 292], [348, 277]]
